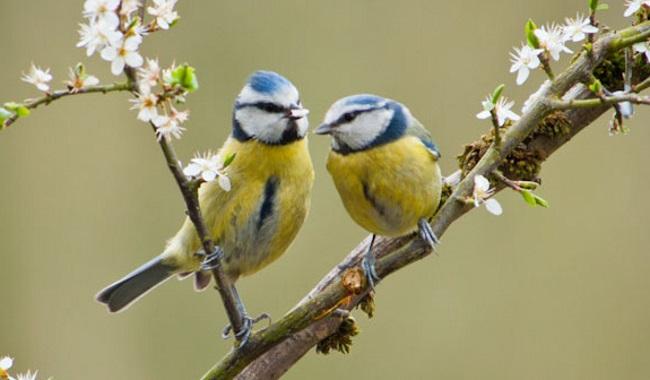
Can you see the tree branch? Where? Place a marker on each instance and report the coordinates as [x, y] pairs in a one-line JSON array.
[[50, 97], [273, 351]]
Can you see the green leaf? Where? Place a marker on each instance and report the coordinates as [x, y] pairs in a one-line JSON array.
[[185, 76], [602, 7], [540, 201], [23, 111], [4, 115], [17, 108], [229, 160], [533, 199], [528, 185], [593, 5], [80, 70], [530, 34], [528, 197], [596, 87], [496, 94]]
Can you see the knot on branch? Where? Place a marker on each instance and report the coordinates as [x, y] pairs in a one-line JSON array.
[[525, 161], [341, 340]]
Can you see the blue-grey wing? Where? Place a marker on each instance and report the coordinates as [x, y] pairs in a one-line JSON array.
[[416, 129]]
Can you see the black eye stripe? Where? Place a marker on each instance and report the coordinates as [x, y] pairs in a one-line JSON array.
[[264, 106], [270, 107], [349, 116]]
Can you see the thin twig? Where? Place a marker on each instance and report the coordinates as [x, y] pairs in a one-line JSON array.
[[50, 97], [596, 102]]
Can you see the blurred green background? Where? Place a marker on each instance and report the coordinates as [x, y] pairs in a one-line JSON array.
[[85, 197]]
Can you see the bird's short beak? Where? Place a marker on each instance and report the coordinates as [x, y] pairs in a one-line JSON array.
[[324, 129], [297, 113]]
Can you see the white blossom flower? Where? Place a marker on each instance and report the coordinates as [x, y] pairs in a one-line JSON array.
[[150, 75], [643, 48], [102, 10], [29, 375], [124, 52], [482, 192], [533, 97], [551, 38], [5, 364], [97, 35], [179, 116], [128, 7], [576, 29], [169, 126], [502, 109], [523, 60], [208, 167], [77, 82], [146, 103], [38, 77], [633, 6], [164, 12]]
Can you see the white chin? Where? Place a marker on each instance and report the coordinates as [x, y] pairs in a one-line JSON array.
[[303, 126]]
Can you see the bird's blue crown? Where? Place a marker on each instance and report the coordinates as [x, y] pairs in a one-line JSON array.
[[365, 100], [267, 82]]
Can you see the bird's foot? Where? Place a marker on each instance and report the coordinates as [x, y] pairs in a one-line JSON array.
[[246, 330], [426, 234], [212, 260], [368, 266]]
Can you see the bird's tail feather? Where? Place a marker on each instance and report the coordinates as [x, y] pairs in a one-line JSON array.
[[129, 289]]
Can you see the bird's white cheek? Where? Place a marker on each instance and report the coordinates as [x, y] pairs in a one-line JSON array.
[[364, 129], [271, 128]]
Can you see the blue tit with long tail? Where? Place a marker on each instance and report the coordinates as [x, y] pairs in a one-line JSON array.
[[384, 164], [257, 219]]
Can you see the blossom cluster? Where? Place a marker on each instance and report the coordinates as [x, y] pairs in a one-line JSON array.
[[551, 40], [155, 106], [115, 31]]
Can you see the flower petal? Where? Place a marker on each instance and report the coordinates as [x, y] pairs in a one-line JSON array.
[[117, 66], [483, 115], [133, 59], [108, 53], [481, 183], [224, 182], [493, 206], [522, 75], [192, 170], [208, 175]]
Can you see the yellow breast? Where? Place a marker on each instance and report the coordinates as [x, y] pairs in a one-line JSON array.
[[387, 189], [249, 239]]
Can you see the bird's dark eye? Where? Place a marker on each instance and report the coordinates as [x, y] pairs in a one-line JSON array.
[[270, 107], [348, 117]]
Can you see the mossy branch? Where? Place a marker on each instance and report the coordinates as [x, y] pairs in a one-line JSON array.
[[548, 124]]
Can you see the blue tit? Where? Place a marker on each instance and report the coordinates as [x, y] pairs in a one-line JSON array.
[[385, 168], [256, 221]]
